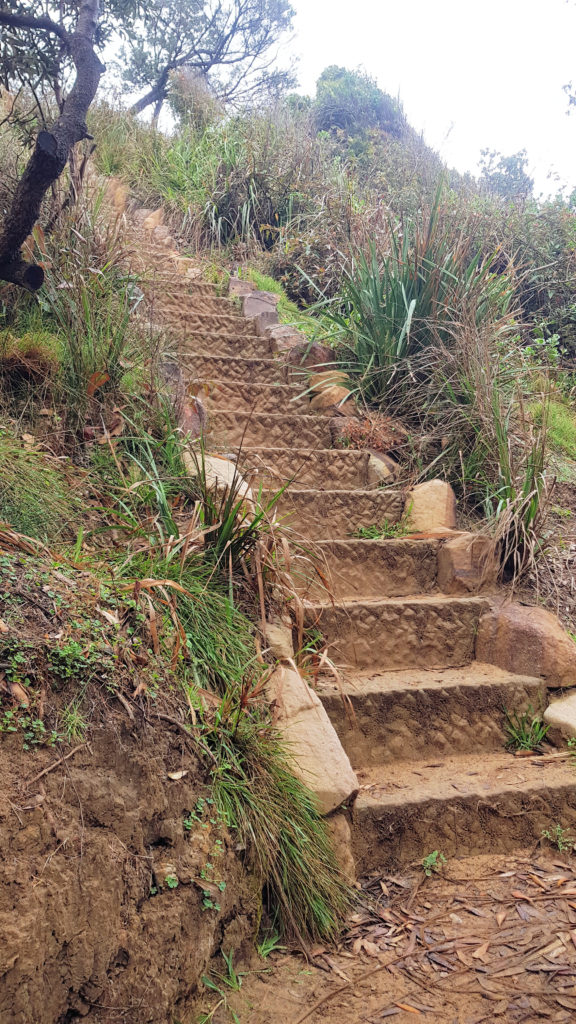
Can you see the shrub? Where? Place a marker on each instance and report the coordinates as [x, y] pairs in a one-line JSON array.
[[351, 101]]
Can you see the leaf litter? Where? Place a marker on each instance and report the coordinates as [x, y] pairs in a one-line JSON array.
[[466, 949]]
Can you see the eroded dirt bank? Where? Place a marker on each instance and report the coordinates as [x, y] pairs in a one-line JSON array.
[[108, 864]]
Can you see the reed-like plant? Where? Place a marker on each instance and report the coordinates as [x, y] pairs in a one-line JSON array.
[[381, 322]]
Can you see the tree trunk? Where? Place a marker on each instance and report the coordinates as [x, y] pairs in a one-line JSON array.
[[156, 95], [51, 151]]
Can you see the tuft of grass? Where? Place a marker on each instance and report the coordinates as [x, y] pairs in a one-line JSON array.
[[525, 729], [35, 498], [288, 842], [269, 944], [383, 531], [561, 425]]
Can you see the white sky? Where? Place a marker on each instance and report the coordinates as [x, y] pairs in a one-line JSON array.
[[488, 74]]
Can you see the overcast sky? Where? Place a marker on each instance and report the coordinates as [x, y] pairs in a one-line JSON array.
[[470, 76]]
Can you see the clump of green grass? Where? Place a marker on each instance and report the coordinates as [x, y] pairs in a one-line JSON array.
[[288, 841], [526, 730], [561, 426], [383, 531], [35, 498]]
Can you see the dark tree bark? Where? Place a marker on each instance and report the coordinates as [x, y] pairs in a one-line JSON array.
[[53, 145], [156, 95]]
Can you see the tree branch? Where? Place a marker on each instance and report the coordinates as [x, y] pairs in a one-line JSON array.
[[29, 21]]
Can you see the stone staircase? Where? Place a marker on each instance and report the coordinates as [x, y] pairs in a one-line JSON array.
[[426, 736]]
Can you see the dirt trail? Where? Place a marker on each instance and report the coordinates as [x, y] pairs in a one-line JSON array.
[[492, 939]]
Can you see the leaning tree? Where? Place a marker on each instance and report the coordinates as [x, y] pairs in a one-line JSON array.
[[71, 39], [232, 44]]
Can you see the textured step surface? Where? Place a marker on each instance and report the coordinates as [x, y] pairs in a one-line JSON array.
[[238, 346], [330, 515], [427, 713], [376, 568], [410, 632], [246, 397], [324, 469], [459, 805], [207, 323], [252, 429], [225, 369]]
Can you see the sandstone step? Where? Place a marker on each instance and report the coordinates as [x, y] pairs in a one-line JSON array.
[[246, 397], [331, 515], [374, 568], [252, 429], [172, 286], [226, 369], [221, 344], [459, 805], [414, 713], [332, 469], [204, 324], [410, 632], [168, 308]]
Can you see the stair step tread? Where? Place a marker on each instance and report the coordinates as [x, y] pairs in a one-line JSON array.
[[292, 418], [417, 600], [401, 783], [313, 492], [344, 455], [477, 674], [369, 545]]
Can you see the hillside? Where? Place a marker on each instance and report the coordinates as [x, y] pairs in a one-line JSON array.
[[287, 492]]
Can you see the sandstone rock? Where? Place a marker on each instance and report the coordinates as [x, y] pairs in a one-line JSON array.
[[279, 640], [153, 220], [529, 641], [467, 563], [259, 302], [264, 320], [560, 715], [431, 506], [160, 233], [328, 378], [120, 198], [341, 833], [193, 418], [382, 467], [319, 759], [141, 215], [221, 474], [283, 338], [310, 354], [238, 286], [331, 397]]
